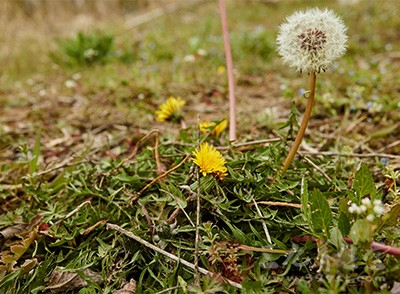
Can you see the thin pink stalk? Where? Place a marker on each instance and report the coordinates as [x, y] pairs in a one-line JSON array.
[[229, 65], [387, 249]]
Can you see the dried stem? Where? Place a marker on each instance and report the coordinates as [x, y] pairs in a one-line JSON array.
[[197, 237], [133, 153], [387, 249], [264, 225], [303, 125], [164, 174], [229, 65], [274, 203], [163, 252]]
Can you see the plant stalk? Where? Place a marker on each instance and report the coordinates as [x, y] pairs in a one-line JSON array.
[[229, 67], [303, 126]]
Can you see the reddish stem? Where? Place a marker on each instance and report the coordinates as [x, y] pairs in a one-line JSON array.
[[374, 245], [229, 65]]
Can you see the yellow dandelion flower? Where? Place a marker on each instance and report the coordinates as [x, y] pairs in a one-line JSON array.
[[210, 161], [221, 69], [171, 109], [214, 128]]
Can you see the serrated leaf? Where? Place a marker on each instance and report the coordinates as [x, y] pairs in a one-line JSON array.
[[321, 214], [363, 184], [361, 231], [344, 217], [390, 219], [336, 238], [344, 223]]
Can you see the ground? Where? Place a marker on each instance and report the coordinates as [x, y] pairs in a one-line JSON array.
[[81, 151]]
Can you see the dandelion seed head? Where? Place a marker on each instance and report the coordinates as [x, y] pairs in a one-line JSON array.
[[312, 40]]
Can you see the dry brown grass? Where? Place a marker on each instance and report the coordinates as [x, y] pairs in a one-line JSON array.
[[29, 27]]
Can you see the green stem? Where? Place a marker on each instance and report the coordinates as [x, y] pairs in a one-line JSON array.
[[303, 125]]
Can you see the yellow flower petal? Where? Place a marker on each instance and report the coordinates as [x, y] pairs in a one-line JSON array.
[[210, 161], [170, 109], [213, 128]]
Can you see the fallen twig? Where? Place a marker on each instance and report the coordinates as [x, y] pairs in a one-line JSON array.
[[274, 203], [180, 207], [264, 225], [91, 228], [163, 252], [316, 167], [134, 21], [164, 174], [327, 153], [73, 211], [157, 155], [61, 165], [264, 250], [134, 151], [256, 142]]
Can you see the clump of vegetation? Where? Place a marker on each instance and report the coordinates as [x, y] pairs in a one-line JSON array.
[[85, 49], [127, 190]]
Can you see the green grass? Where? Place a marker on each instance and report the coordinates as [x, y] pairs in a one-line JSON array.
[[65, 129]]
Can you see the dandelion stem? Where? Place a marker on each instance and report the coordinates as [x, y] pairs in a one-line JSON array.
[[303, 126], [229, 65]]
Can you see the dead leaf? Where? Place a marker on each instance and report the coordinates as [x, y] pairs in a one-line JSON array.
[[62, 281], [29, 264], [128, 288], [11, 232]]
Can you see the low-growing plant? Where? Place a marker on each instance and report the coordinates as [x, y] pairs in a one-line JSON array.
[[85, 49]]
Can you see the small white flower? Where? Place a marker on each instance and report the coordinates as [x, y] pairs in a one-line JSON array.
[[366, 202], [370, 217], [377, 202], [363, 208], [378, 209], [202, 52], [354, 208], [312, 40], [70, 84], [189, 58], [90, 53]]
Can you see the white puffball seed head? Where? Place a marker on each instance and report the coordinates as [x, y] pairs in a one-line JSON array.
[[312, 40]]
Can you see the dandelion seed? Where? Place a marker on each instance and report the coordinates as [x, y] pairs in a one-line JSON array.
[[210, 161], [312, 40], [170, 110]]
